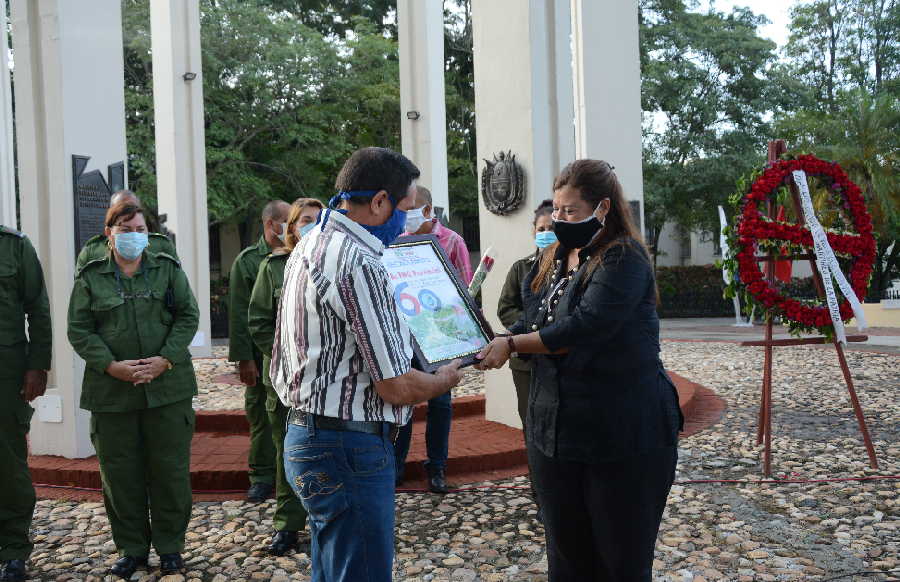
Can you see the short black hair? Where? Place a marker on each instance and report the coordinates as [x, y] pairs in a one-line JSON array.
[[377, 169], [271, 210]]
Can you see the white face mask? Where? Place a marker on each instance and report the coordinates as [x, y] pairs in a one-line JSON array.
[[281, 236], [415, 218]]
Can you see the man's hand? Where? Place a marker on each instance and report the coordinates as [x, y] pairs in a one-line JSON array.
[[125, 370], [34, 384], [450, 373], [150, 369], [248, 372], [493, 355]]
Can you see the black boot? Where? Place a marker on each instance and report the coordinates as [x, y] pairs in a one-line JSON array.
[[13, 570], [282, 542], [170, 564], [126, 565], [259, 492], [436, 481]]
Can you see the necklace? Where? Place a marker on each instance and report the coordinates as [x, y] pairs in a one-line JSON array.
[[558, 285]]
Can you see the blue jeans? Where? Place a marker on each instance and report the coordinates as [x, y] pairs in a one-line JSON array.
[[437, 433], [345, 480]]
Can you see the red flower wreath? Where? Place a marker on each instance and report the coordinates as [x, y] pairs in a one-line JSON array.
[[752, 227]]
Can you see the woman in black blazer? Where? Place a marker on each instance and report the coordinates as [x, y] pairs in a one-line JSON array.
[[603, 416]]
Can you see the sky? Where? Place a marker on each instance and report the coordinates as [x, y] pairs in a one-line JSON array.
[[777, 11]]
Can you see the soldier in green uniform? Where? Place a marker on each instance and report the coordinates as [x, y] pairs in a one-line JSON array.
[[97, 247], [242, 350], [132, 316], [23, 377], [290, 515]]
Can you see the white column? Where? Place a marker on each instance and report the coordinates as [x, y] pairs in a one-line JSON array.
[[608, 88], [423, 121], [180, 144], [7, 167], [70, 100], [523, 101]]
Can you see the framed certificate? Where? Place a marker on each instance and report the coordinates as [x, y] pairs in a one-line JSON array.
[[445, 322]]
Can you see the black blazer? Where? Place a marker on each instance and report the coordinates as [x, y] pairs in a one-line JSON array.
[[609, 397]]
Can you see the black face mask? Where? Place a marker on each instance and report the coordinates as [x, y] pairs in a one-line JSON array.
[[577, 235]]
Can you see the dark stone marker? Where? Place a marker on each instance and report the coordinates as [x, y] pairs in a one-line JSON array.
[[91, 201], [116, 176]]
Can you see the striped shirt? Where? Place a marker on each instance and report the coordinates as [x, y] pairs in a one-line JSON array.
[[338, 330]]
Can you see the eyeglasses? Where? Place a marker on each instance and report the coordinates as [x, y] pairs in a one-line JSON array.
[[119, 229]]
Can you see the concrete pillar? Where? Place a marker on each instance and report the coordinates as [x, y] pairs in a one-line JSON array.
[[423, 121], [523, 101], [181, 146], [7, 166], [69, 88], [607, 83]]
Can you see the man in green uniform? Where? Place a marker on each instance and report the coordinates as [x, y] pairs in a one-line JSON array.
[[23, 377], [290, 515], [97, 247], [242, 350]]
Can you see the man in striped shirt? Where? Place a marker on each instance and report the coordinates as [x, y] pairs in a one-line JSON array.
[[341, 362]]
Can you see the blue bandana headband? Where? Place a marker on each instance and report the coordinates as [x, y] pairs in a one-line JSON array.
[[340, 196]]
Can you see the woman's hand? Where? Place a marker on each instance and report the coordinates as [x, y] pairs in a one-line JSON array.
[[124, 370], [150, 369], [493, 355]]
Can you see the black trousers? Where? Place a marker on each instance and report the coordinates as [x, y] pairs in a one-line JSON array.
[[602, 519]]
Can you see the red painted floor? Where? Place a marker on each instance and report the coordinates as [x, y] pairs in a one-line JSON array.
[[480, 450]]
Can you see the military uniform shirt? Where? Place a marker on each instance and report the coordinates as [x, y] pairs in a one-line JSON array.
[[240, 285], [114, 318], [23, 299]]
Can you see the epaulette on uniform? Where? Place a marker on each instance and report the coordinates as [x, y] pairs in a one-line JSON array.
[[162, 255], [11, 231], [90, 265], [95, 239]]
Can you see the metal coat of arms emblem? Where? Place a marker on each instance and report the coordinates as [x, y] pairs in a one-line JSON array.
[[503, 184]]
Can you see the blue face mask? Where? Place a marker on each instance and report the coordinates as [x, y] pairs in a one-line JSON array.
[[302, 232], [387, 232], [130, 245], [544, 239]]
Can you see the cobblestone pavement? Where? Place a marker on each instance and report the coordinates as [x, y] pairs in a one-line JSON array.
[[744, 531]]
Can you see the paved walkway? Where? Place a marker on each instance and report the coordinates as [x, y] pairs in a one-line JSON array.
[[722, 329]]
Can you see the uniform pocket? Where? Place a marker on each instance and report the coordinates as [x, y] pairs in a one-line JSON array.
[[314, 476], [109, 317]]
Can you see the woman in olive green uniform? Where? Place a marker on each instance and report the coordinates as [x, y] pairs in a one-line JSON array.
[[131, 318], [290, 516]]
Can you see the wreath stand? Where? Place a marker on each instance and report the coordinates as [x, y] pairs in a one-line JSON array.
[[764, 426]]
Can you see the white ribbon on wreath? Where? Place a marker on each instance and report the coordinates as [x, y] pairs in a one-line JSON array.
[[828, 265]]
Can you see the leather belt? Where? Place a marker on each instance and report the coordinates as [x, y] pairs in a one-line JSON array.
[[306, 419]]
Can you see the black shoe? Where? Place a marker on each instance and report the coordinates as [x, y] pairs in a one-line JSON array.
[[126, 565], [170, 564], [282, 542], [436, 481], [13, 570], [259, 492]]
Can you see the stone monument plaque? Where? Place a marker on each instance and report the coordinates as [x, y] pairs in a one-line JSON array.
[[503, 184], [91, 193]]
